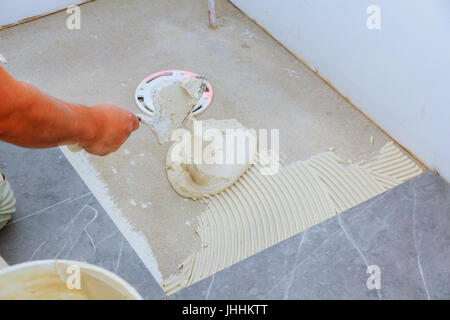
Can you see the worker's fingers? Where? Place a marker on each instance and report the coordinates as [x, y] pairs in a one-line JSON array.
[[117, 125], [104, 152], [134, 122]]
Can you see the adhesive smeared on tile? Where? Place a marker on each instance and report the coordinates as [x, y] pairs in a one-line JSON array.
[[81, 163], [259, 211]]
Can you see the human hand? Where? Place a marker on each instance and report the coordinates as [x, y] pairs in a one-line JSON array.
[[109, 126]]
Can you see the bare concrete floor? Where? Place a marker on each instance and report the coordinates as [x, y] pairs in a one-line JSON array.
[[255, 80]]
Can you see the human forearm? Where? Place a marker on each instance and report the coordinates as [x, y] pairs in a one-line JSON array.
[[30, 118], [36, 120]]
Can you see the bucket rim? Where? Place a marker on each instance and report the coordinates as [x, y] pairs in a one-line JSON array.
[[50, 263]]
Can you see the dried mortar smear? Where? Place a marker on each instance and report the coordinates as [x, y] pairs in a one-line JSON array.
[[259, 211]]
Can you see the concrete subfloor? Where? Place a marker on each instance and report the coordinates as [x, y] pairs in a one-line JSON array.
[[255, 80]]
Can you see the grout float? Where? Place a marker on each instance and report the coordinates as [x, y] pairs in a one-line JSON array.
[[173, 104]]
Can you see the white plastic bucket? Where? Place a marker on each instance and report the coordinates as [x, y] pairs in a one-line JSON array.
[[59, 279]]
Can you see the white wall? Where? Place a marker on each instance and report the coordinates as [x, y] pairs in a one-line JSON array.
[[12, 11], [398, 75]]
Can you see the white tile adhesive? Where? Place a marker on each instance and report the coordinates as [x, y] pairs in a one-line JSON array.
[[259, 211]]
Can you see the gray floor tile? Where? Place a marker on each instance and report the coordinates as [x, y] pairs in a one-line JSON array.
[[405, 232], [57, 217], [44, 178]]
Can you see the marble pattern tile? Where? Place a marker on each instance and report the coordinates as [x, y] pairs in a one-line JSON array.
[[58, 217], [404, 231]]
